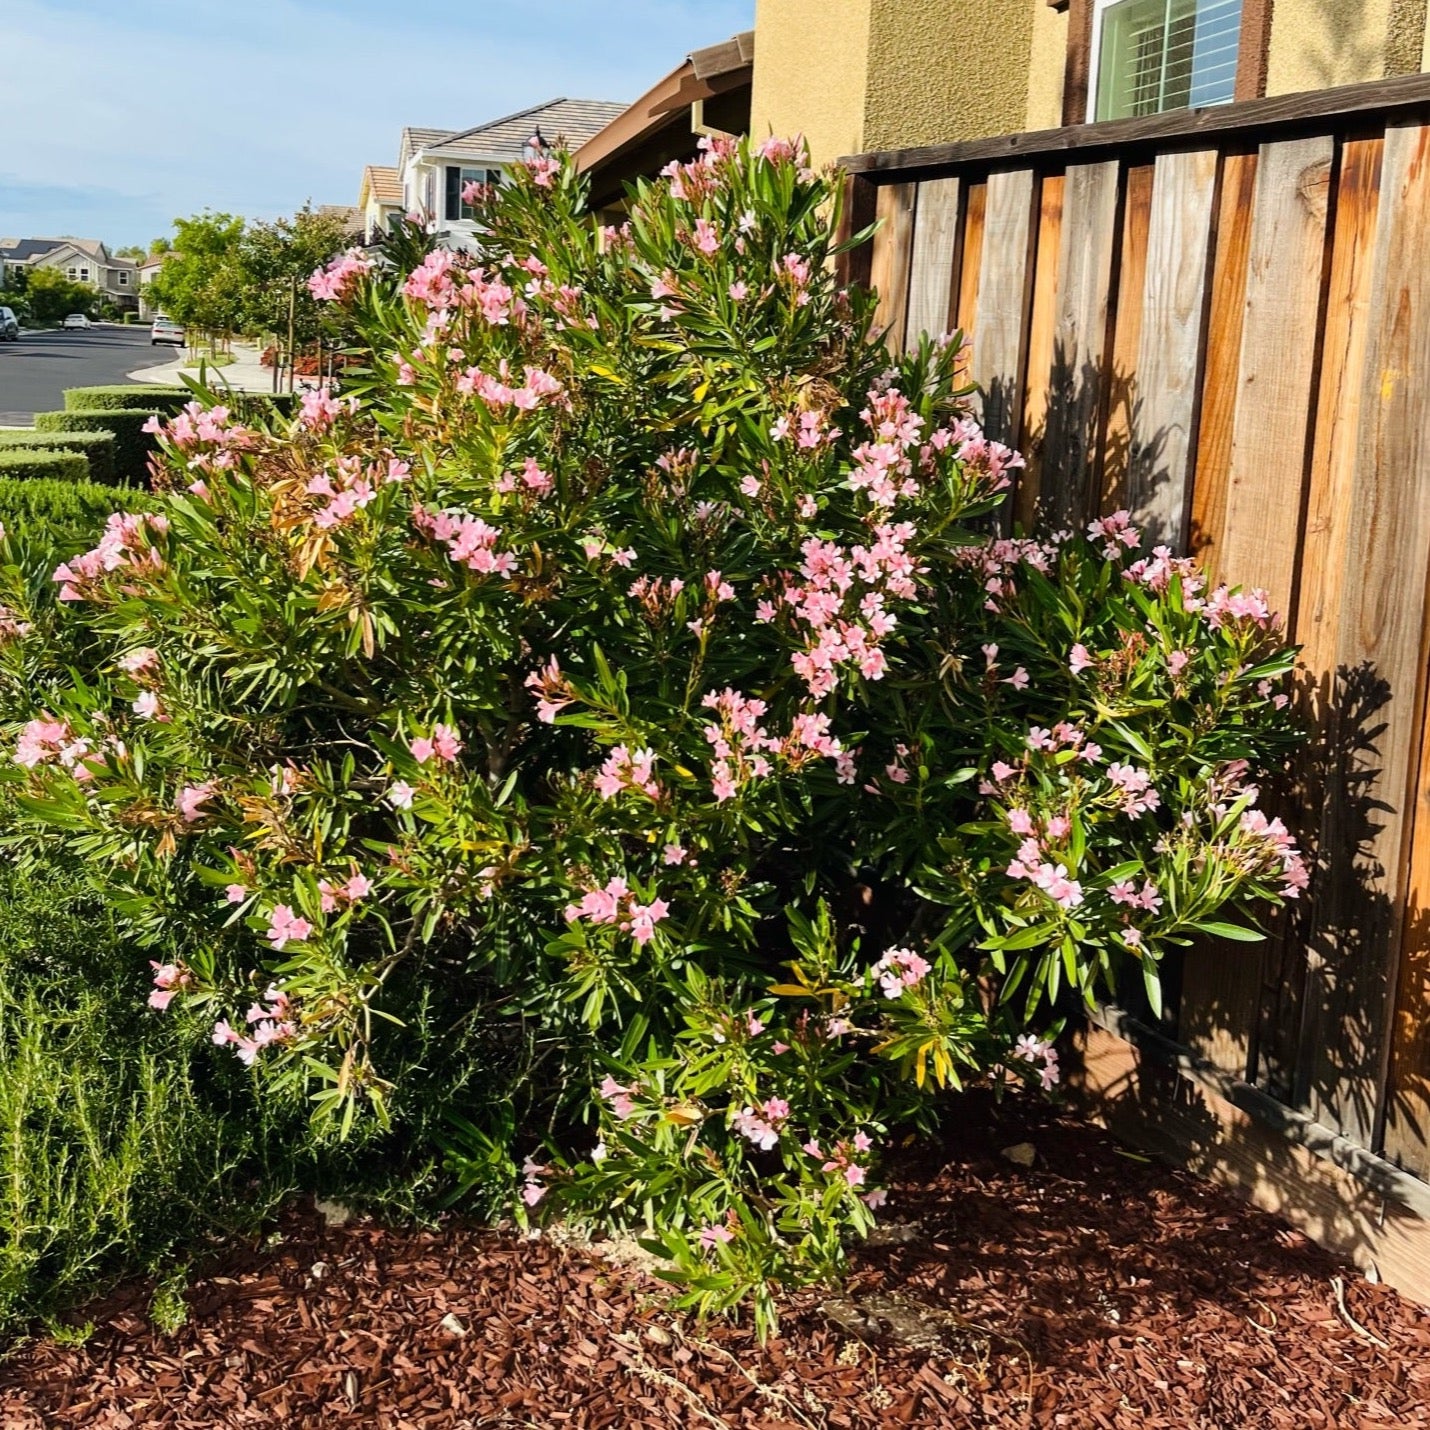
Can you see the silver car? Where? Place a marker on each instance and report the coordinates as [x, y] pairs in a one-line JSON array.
[[9, 325], [76, 320], [166, 330]]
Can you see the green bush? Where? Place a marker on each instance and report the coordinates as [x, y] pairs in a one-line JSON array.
[[132, 444], [32, 462], [96, 447], [64, 512], [128, 397]]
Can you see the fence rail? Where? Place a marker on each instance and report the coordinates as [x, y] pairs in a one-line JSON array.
[[1222, 320]]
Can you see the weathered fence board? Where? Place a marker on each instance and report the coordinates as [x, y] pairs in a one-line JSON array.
[[934, 270], [1227, 329], [1173, 303], [890, 273], [1080, 339], [1004, 289]]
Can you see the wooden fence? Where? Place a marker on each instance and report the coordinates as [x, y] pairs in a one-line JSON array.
[[1221, 319]]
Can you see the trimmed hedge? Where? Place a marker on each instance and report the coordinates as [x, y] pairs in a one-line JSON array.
[[96, 447], [152, 398], [29, 463], [132, 444], [66, 511]]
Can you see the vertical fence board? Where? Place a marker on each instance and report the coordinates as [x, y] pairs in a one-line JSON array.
[[1280, 342], [1317, 609], [1041, 327], [1126, 334], [933, 269], [972, 261], [1001, 318], [1078, 385], [1223, 356], [1173, 303], [1380, 666], [1261, 536], [892, 251]]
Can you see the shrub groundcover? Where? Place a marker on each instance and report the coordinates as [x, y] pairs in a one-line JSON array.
[[97, 448]]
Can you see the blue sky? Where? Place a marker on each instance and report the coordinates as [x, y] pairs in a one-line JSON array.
[[118, 117]]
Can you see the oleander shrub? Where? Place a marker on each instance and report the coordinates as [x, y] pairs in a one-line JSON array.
[[618, 687], [131, 429], [127, 397], [43, 463], [97, 448]]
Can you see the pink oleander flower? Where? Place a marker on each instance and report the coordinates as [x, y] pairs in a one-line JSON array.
[[235, 894], [400, 794], [148, 707], [713, 1236], [1018, 680], [899, 970], [1079, 660], [674, 854], [169, 978], [192, 799], [284, 926]]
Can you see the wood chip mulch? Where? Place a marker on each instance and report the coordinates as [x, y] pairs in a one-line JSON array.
[[1091, 1291]]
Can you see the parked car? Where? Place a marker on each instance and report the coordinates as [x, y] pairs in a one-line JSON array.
[[9, 325], [76, 320], [166, 330]]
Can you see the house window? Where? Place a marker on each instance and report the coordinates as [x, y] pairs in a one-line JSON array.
[[1154, 55], [123, 278], [457, 180]]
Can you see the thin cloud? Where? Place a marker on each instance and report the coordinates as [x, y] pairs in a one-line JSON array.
[[168, 107]]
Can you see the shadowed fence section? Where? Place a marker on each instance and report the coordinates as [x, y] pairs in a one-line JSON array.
[[1221, 320]]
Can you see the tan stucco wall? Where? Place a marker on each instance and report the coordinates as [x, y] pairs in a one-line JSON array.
[[1316, 44], [1425, 49], [811, 65], [1046, 66], [956, 69]]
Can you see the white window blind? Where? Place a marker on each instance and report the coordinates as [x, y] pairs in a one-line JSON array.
[[1154, 55]]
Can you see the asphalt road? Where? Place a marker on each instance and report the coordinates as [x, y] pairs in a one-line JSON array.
[[35, 371]]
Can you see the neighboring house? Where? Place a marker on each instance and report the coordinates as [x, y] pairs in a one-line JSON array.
[[435, 165], [147, 270], [379, 200], [82, 260], [860, 75], [707, 93]]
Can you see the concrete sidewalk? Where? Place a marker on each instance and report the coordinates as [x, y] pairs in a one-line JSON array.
[[244, 374]]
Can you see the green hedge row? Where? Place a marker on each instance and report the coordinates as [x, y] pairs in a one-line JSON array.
[[31, 463], [96, 447], [132, 444], [65, 511], [152, 398]]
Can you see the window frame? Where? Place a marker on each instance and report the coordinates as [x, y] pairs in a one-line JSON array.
[[1254, 18], [491, 176]]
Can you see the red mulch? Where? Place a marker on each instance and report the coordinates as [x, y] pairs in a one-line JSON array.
[[1091, 1291]]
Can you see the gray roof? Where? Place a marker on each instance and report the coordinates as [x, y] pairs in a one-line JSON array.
[[24, 250], [572, 121], [415, 138]]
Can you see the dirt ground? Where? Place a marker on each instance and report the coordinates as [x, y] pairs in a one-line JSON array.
[[1090, 1290]]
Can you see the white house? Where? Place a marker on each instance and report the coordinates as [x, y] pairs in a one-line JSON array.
[[435, 165], [82, 260]]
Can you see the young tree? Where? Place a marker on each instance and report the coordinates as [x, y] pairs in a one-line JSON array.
[[200, 286], [52, 295]]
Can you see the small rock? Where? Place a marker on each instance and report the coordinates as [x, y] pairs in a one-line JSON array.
[[657, 1335], [333, 1213], [453, 1324], [318, 1270], [1372, 1273], [1023, 1153]]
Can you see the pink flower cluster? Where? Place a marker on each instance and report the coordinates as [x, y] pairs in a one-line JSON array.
[[843, 625], [627, 769], [742, 745], [497, 391], [334, 282], [169, 978], [1125, 892], [470, 541], [125, 545], [1134, 786], [43, 741], [284, 927], [883, 469], [1043, 873], [1280, 848], [206, 437], [621, 1098], [841, 1159], [444, 744], [533, 479], [1117, 534], [761, 1125], [1038, 1050], [192, 799], [432, 281], [270, 1021], [899, 970], [1064, 736], [997, 561], [319, 409], [11, 626], [333, 896], [616, 904], [552, 690]]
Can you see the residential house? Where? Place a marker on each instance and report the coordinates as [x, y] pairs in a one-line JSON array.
[[708, 93], [82, 260], [147, 270], [379, 200], [435, 165]]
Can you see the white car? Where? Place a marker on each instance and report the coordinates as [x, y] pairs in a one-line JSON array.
[[166, 330], [76, 320]]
